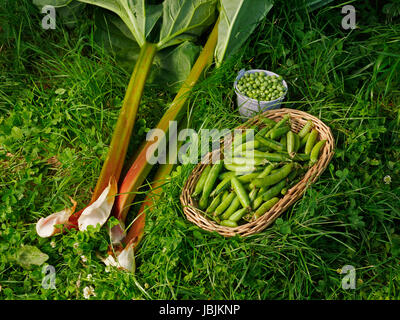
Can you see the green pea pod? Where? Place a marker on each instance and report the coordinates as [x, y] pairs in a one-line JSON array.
[[240, 193], [214, 204], [235, 204], [264, 148], [262, 156], [257, 202], [296, 142], [280, 123], [200, 183], [283, 141], [248, 177], [267, 121], [267, 170], [301, 157], [306, 129], [274, 178], [312, 138], [261, 191], [240, 169], [272, 144], [263, 131], [211, 178], [316, 150], [303, 140], [224, 195], [253, 153], [264, 173], [290, 142], [255, 161], [250, 145], [242, 138], [228, 223], [225, 175], [242, 178], [253, 194], [279, 132], [274, 190], [274, 171], [225, 203], [222, 186], [237, 215], [265, 207], [203, 202]]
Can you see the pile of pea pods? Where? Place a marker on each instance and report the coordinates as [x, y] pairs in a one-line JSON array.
[[258, 169]]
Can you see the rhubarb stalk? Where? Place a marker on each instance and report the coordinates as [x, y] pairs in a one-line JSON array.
[[119, 144], [141, 167], [136, 231]]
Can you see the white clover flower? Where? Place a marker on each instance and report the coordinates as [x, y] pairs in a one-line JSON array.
[[387, 179], [84, 259], [76, 245], [88, 291], [53, 244], [78, 282], [89, 277]]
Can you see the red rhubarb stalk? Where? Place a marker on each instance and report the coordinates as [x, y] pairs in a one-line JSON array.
[[141, 167], [126, 120], [120, 140]]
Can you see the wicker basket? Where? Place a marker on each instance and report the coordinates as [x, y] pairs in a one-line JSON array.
[[298, 119]]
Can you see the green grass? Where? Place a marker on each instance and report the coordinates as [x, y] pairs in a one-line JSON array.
[[53, 143]]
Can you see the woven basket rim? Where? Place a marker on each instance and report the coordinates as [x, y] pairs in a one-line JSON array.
[[298, 119]]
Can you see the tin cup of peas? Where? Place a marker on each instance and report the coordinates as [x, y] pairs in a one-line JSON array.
[[258, 90]]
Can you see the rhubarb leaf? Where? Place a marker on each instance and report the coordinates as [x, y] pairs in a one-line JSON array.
[[114, 36], [185, 19], [137, 16], [238, 19], [171, 65], [174, 65]]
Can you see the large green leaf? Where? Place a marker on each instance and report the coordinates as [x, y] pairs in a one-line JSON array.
[[238, 19], [171, 65], [26, 256], [114, 36], [139, 17], [174, 65], [185, 19]]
